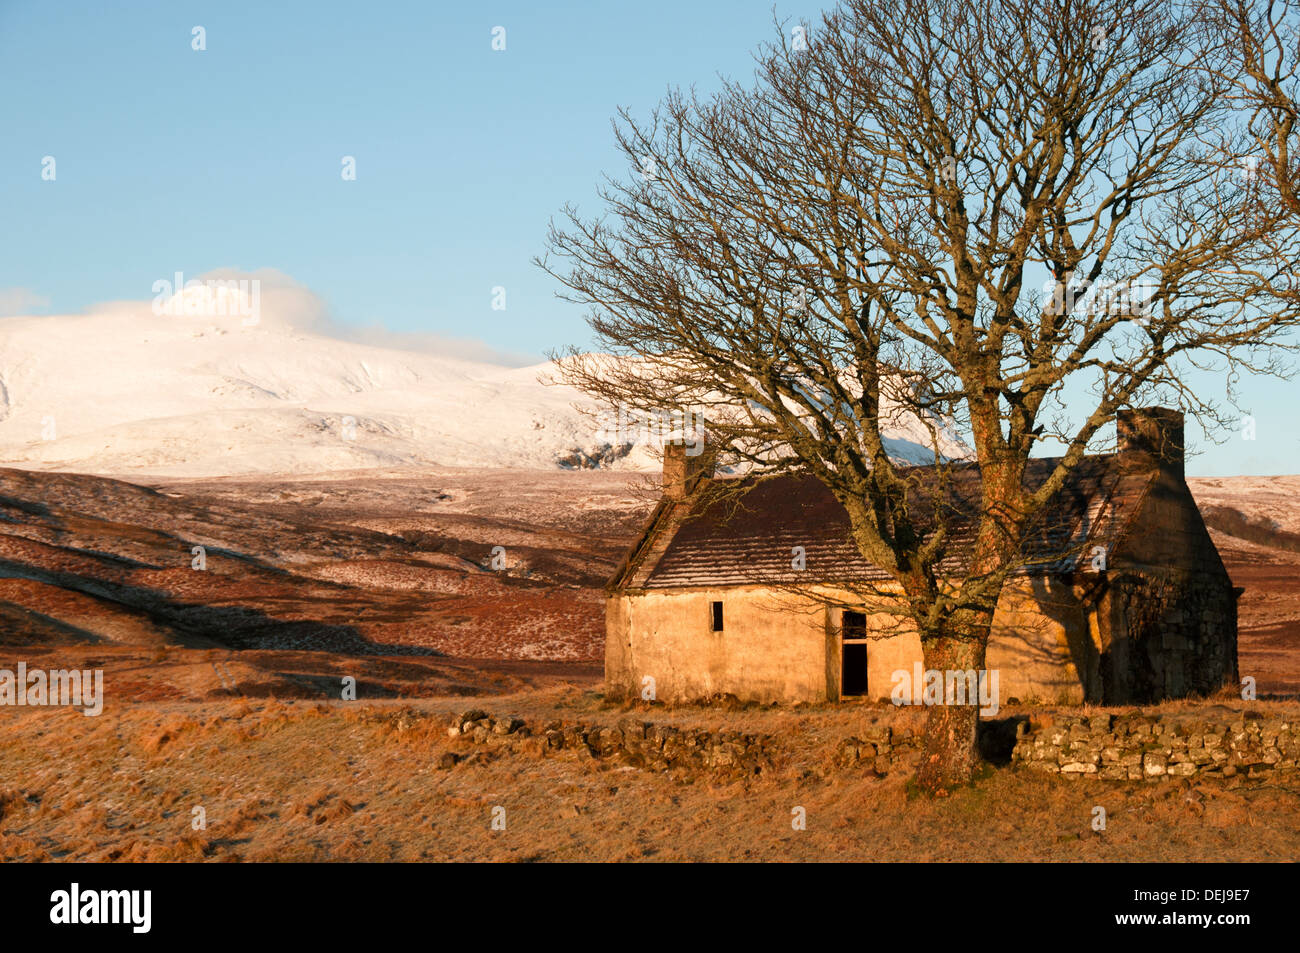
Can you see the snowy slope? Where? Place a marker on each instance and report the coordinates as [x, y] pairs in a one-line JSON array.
[[125, 391]]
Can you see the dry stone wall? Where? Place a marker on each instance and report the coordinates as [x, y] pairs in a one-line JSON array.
[[1128, 747], [1105, 746], [1135, 746], [642, 744]]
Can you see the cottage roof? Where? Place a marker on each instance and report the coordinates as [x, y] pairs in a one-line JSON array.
[[742, 531]]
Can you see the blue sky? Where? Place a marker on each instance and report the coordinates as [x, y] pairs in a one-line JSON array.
[[169, 159]]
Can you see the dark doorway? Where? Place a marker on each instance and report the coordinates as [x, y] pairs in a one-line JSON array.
[[853, 658]]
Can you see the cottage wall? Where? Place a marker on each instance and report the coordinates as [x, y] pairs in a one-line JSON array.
[[773, 646], [1173, 620], [782, 646], [1043, 642]]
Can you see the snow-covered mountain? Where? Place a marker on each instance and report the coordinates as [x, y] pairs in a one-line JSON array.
[[126, 391]]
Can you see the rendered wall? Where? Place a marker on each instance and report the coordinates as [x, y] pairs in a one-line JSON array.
[[773, 646], [777, 646]]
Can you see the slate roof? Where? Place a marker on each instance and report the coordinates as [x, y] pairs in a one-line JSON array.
[[745, 537]]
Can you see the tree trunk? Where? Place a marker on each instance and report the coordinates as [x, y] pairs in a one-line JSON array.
[[948, 753]]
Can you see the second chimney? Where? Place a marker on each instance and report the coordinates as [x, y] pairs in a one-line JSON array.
[[686, 460], [1151, 438]]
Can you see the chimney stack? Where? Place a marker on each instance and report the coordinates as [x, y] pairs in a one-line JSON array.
[[686, 461], [1151, 438]]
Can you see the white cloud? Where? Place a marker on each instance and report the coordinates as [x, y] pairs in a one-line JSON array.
[[286, 303], [16, 301]]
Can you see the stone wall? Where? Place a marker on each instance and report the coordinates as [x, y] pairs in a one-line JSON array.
[[1173, 614], [642, 744], [1125, 747], [1176, 633], [1135, 746], [1128, 747]]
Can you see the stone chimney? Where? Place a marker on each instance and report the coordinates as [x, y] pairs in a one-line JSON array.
[[686, 461], [1151, 438]]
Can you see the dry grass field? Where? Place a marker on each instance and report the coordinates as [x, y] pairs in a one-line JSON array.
[[282, 781]]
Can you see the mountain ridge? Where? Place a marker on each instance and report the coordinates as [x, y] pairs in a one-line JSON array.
[[127, 392]]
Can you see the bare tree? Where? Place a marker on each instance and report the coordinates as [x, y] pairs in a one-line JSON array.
[[942, 210], [1262, 43], [1259, 70]]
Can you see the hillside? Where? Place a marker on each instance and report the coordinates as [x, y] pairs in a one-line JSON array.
[[390, 572]]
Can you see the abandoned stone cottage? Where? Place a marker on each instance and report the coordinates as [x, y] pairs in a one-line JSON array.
[[704, 604]]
